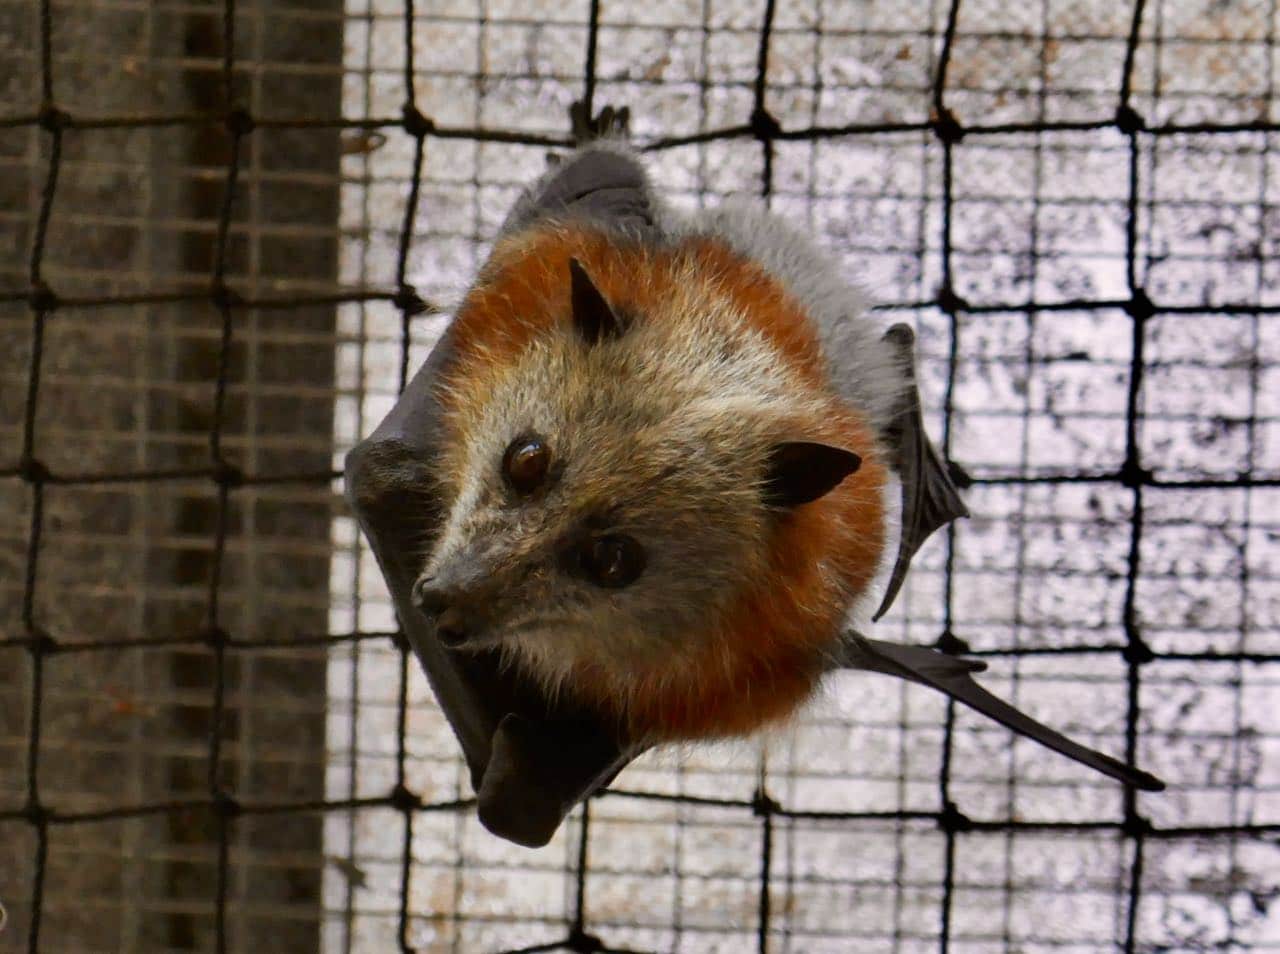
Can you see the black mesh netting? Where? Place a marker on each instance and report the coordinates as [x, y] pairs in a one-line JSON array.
[[226, 231]]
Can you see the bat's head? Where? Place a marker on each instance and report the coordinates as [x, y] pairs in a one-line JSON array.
[[623, 475]]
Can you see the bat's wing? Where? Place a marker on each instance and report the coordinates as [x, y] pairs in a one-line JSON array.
[[531, 760], [953, 676], [929, 498], [930, 501]]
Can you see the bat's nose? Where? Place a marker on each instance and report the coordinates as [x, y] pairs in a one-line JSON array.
[[446, 606], [429, 597]]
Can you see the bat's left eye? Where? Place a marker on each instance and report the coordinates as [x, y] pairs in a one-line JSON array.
[[525, 464], [613, 561]]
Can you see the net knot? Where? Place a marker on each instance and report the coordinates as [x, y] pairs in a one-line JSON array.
[[763, 805], [1129, 120], [225, 806], [1135, 826], [764, 126], [1133, 475], [42, 298], [949, 301], [409, 301], [53, 119], [226, 474], [33, 470], [945, 126], [225, 297], [404, 800], [953, 821], [1140, 307], [416, 124], [215, 637], [37, 814], [239, 122], [41, 643], [581, 941], [1136, 652]]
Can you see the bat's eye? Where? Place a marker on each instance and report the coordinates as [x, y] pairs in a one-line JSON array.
[[525, 464], [613, 561]]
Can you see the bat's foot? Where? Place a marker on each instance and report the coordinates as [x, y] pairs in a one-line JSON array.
[[609, 123]]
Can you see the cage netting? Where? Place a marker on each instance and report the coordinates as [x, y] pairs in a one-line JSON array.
[[228, 232]]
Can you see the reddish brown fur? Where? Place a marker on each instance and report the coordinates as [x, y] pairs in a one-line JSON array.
[[785, 621], [523, 291]]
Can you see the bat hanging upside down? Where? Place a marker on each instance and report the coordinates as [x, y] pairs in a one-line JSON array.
[[667, 447]]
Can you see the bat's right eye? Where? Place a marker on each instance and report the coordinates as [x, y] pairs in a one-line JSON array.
[[525, 463], [612, 561]]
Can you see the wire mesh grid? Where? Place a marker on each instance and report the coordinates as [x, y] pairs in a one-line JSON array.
[[1072, 202]]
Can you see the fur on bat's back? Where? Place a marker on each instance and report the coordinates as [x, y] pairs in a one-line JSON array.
[[665, 430]]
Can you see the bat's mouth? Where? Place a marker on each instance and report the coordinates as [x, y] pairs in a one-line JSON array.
[[457, 639], [453, 629], [474, 635]]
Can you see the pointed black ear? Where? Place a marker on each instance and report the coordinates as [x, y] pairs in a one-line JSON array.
[[802, 471], [592, 316]]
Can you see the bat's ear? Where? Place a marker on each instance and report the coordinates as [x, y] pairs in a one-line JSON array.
[[929, 496], [593, 317], [799, 472]]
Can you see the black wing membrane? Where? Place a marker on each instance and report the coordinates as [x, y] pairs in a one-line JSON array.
[[929, 498], [953, 676]]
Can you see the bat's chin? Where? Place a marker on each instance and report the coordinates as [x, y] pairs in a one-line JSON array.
[[552, 650], [539, 636], [553, 644]]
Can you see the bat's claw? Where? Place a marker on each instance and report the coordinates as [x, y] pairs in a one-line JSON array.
[[609, 123]]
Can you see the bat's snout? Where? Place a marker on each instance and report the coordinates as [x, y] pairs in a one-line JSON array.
[[455, 611], [429, 598]]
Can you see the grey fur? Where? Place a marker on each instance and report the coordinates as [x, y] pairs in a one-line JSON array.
[[864, 368]]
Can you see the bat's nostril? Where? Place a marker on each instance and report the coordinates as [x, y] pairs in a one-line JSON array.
[[428, 597], [446, 607]]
